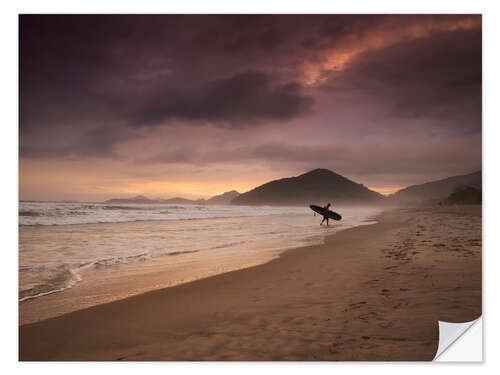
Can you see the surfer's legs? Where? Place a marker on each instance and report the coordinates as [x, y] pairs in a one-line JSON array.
[[325, 218]]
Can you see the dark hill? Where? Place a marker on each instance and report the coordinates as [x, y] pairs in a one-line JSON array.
[[225, 198], [315, 187], [466, 195], [436, 190]]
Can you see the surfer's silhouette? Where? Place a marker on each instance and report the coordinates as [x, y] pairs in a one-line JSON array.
[[325, 214]]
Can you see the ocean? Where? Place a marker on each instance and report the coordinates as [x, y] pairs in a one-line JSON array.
[[63, 244]]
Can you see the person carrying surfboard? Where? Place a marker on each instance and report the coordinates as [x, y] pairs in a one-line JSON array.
[[325, 214]]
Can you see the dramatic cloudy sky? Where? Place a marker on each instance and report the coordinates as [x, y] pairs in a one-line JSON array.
[[114, 106]]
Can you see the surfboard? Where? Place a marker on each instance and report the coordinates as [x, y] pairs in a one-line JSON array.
[[331, 214]]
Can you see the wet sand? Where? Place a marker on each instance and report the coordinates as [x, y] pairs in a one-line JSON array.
[[373, 292]]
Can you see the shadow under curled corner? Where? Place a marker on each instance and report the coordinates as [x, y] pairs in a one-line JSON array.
[[460, 342]]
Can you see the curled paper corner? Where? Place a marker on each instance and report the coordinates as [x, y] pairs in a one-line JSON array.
[[467, 342]]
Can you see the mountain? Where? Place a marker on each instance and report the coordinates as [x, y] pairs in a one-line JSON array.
[[315, 187], [436, 190], [221, 199], [224, 198], [322, 185], [137, 199]]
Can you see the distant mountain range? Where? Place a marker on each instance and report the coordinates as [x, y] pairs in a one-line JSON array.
[[221, 199], [138, 199], [435, 191], [225, 198], [317, 186], [322, 185]]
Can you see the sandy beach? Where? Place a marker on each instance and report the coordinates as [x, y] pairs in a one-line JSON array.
[[371, 293]]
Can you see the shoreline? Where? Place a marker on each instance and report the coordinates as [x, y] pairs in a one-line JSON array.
[[152, 273], [284, 305]]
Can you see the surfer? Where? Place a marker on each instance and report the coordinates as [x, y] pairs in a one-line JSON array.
[[325, 214]]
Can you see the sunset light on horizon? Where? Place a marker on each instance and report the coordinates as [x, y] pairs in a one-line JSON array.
[[129, 107]]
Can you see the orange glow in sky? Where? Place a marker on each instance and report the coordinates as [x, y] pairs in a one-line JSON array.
[[384, 100], [339, 58], [386, 190], [58, 180]]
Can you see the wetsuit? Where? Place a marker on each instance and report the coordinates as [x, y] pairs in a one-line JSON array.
[[325, 215]]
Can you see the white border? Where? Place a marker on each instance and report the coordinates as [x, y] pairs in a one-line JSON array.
[[491, 156], [254, 6]]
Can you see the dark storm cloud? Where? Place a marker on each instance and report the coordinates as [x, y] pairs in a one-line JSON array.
[[240, 100], [88, 83], [75, 141], [437, 77], [79, 72]]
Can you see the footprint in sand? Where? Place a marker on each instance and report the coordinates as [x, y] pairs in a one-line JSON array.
[[385, 324], [400, 303], [354, 306], [385, 292], [365, 345], [369, 316], [337, 346]]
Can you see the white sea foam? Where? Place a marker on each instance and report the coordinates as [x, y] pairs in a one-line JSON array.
[[54, 251], [56, 213]]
